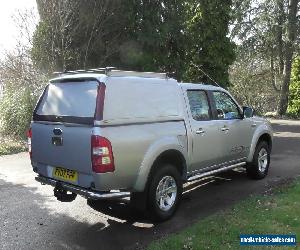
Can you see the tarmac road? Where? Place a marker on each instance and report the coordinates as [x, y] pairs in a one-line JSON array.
[[31, 217]]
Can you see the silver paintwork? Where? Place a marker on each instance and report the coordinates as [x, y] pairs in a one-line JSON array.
[[139, 100], [143, 118], [263, 126]]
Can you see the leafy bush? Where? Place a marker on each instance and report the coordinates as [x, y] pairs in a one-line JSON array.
[[22, 85], [16, 108], [11, 146], [294, 97]]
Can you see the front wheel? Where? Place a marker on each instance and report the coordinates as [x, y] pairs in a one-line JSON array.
[[259, 167], [165, 191]]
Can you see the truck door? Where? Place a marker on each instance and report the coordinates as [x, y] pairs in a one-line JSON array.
[[235, 133], [205, 143]]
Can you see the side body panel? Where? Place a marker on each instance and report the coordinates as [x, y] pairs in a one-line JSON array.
[[139, 100], [236, 140], [142, 118], [135, 148]]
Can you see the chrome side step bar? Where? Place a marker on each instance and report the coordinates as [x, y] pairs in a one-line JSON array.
[[219, 170]]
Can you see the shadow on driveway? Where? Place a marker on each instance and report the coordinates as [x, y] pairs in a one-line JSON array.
[[28, 222]]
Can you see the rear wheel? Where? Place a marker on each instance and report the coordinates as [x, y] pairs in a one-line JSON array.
[[165, 190], [259, 167]]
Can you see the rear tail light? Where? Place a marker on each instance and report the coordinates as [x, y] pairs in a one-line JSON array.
[[29, 136], [102, 155]]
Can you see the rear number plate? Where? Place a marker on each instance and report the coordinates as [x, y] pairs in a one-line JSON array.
[[65, 174]]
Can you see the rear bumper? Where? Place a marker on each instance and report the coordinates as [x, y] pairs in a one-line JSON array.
[[89, 194]]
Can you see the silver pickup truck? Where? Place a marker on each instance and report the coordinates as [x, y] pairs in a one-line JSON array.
[[106, 134]]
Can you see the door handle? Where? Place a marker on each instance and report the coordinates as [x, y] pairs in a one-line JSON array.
[[224, 129], [200, 131], [253, 125]]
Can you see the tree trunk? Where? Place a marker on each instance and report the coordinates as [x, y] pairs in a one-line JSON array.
[[291, 35], [273, 77], [280, 23]]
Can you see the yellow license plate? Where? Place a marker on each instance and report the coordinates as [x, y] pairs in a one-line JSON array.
[[65, 174]]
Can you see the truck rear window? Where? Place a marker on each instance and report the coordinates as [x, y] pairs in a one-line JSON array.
[[73, 102]]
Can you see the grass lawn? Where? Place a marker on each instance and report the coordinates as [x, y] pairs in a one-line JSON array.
[[278, 213], [10, 146]]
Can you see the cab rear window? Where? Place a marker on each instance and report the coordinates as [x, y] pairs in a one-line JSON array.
[[73, 102]]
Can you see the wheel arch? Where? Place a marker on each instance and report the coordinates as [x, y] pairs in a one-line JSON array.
[[262, 136], [267, 138], [174, 157], [173, 154]]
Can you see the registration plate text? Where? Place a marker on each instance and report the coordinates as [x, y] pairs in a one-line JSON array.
[[65, 174]]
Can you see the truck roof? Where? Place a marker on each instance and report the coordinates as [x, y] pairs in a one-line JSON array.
[[102, 77], [199, 85], [102, 73]]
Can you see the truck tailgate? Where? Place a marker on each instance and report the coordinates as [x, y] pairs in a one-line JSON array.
[[73, 153]]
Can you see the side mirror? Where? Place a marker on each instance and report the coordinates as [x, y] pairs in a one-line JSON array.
[[220, 114], [248, 112]]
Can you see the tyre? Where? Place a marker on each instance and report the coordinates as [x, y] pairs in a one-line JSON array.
[[165, 191], [259, 167]]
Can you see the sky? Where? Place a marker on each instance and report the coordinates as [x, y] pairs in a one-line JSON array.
[[8, 29]]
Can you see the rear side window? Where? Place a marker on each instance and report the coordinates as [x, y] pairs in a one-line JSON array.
[[199, 105], [226, 107], [68, 102]]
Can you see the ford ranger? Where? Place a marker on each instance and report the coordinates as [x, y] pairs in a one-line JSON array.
[[106, 134]]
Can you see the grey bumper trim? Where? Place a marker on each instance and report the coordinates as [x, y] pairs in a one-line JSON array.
[[82, 191]]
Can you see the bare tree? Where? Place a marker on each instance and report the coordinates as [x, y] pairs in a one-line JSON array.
[[21, 80], [74, 33], [16, 68]]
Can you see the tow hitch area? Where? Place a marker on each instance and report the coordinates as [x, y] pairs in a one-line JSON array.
[[63, 195]]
